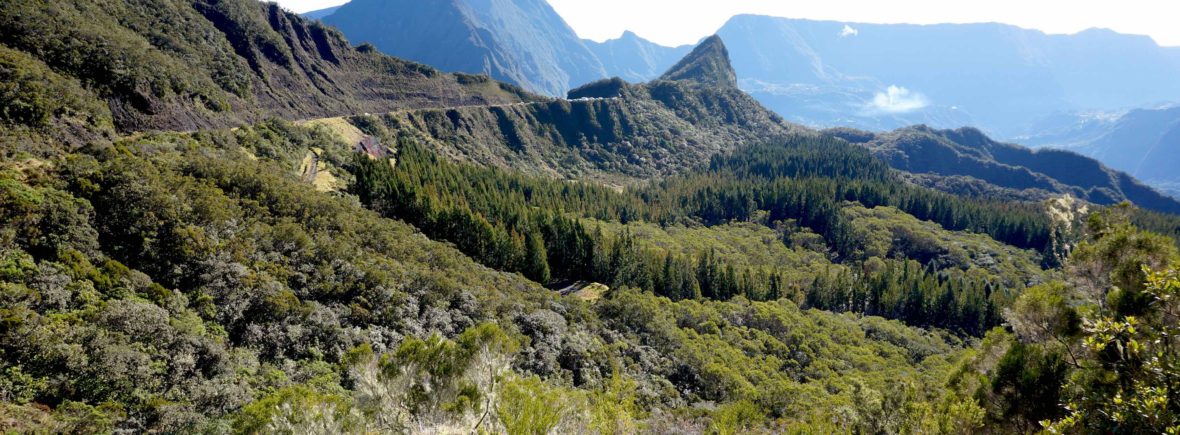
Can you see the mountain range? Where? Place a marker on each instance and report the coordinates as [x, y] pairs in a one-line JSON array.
[[519, 41], [996, 77], [965, 161], [635, 59], [609, 130], [1009, 82], [268, 63]]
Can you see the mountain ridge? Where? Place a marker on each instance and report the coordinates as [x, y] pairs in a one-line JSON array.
[[1142, 142], [540, 53], [609, 130], [993, 76], [519, 41], [320, 13], [969, 152], [635, 59], [227, 64]]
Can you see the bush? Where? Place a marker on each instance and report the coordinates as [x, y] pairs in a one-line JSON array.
[[527, 406]]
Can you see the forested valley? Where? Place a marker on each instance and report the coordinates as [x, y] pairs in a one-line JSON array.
[[191, 258]]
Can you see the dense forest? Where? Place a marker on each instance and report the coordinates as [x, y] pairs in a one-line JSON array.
[[520, 266], [531, 226], [273, 307]]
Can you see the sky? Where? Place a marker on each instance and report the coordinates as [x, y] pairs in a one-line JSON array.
[[678, 22]]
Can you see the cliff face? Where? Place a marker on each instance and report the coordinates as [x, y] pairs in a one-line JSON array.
[[518, 41]]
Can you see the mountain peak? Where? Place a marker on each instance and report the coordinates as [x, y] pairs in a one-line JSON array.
[[708, 63]]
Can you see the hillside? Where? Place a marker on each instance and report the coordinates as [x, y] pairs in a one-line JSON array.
[[517, 41], [605, 130], [523, 42], [667, 257], [1141, 142], [194, 282], [707, 64], [967, 152], [199, 282], [216, 64]]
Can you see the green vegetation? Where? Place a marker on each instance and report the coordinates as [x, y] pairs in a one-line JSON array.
[[270, 306], [965, 161], [708, 64], [75, 71], [931, 277], [169, 283], [764, 279], [607, 131], [1094, 353], [886, 262]]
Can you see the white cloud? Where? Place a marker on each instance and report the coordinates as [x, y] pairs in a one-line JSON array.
[[897, 99], [848, 31], [301, 6]]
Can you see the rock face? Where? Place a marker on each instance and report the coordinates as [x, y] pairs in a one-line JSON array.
[[517, 41], [523, 42]]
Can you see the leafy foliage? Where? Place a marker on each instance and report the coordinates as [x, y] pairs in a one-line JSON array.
[[194, 282], [174, 285], [1095, 354]]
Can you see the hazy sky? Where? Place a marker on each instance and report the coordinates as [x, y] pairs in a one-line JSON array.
[[675, 22]]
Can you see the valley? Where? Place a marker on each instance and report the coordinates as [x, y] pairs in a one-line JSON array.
[[224, 217]]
